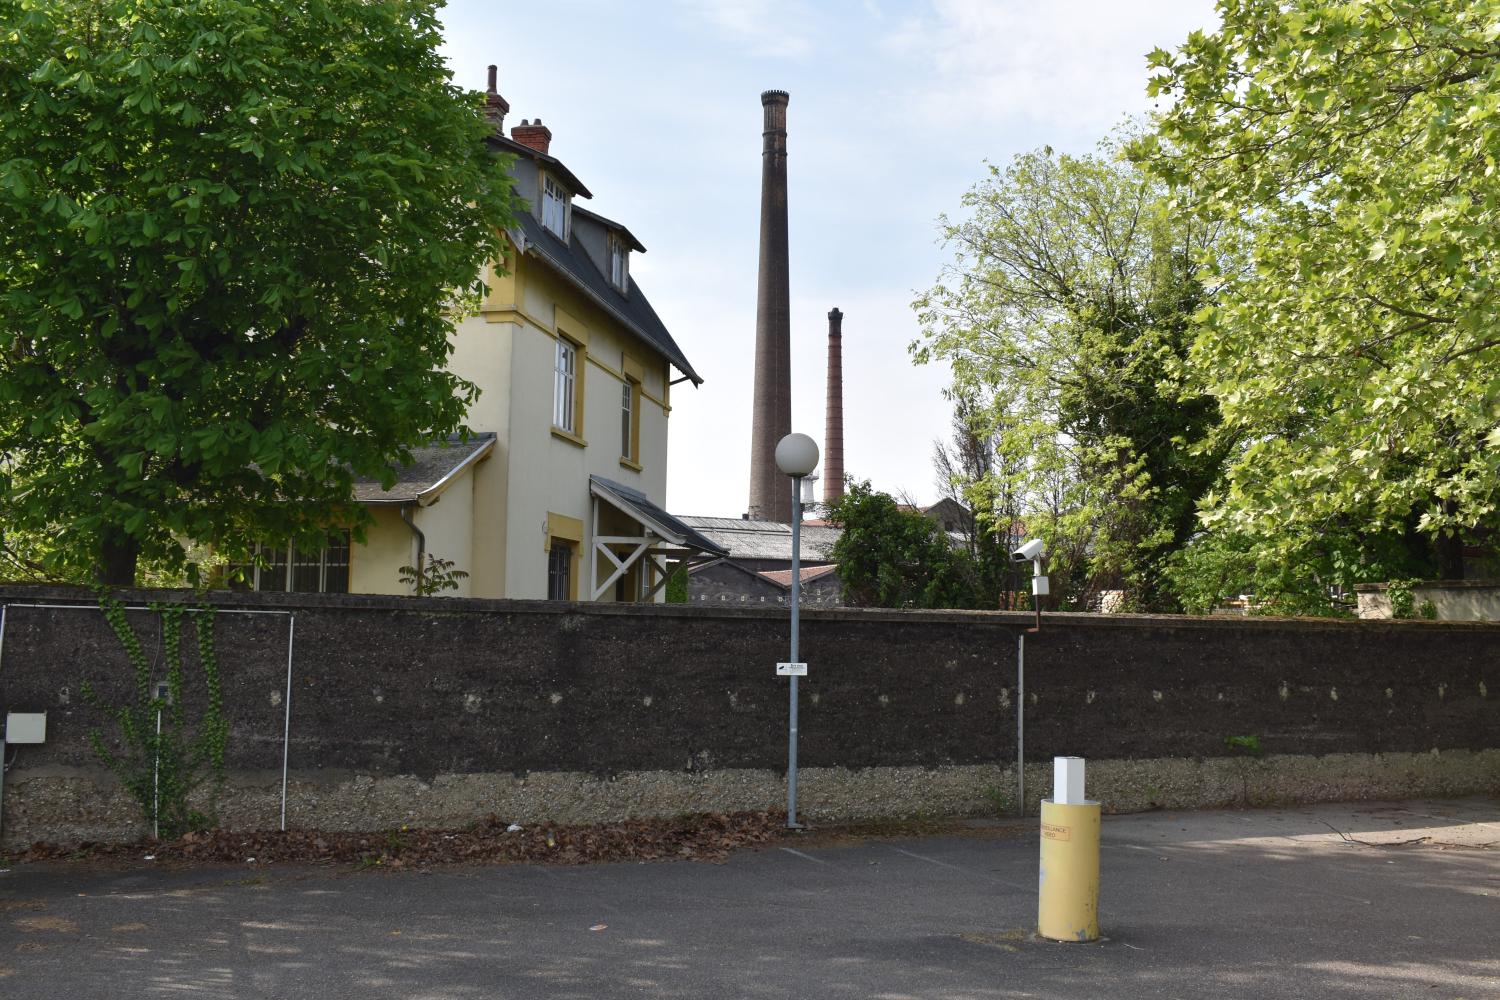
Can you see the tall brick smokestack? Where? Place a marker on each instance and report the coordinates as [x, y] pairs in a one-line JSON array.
[[770, 493], [833, 429]]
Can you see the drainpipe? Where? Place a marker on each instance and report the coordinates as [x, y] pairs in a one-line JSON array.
[[406, 510]]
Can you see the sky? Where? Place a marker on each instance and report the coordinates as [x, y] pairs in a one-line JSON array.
[[895, 109]]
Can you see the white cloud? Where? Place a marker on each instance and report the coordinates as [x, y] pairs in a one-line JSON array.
[[775, 28], [1079, 60]]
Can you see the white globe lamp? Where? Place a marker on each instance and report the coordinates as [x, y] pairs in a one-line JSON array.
[[796, 455]]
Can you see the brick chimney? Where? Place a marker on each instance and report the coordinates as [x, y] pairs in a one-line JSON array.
[[833, 429], [495, 106], [770, 492], [533, 134]]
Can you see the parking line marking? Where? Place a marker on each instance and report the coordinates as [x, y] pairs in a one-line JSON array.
[[964, 871]]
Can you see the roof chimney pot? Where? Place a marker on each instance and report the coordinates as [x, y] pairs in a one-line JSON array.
[[533, 134], [495, 106]]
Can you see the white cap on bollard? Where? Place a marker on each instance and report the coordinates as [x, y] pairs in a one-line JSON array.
[[1067, 781]]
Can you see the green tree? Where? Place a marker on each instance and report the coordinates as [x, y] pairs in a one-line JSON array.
[[894, 558], [1066, 315], [1357, 360], [233, 240], [970, 473]]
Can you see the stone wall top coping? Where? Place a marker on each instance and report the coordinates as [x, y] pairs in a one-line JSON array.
[[11, 594], [1376, 588]]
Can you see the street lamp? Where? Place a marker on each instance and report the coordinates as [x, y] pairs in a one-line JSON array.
[[796, 456]]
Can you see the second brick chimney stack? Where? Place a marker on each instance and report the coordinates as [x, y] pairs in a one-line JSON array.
[[495, 106], [771, 420], [833, 430], [533, 134]]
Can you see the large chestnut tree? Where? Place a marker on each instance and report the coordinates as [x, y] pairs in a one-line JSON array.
[[234, 238]]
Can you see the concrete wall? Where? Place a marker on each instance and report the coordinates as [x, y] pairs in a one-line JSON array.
[[1454, 600], [723, 582], [729, 582], [408, 710]]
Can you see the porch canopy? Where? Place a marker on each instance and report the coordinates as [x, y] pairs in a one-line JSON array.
[[654, 538]]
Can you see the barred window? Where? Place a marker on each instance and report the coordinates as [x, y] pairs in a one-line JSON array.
[[560, 571], [292, 568]]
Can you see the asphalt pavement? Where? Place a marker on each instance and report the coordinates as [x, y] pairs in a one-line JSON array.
[[1366, 901]]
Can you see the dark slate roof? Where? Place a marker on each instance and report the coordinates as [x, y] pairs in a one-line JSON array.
[[574, 263], [430, 468], [509, 145], [766, 539], [651, 512], [635, 244]]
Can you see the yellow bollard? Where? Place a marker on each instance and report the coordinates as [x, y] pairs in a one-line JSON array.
[[1068, 887]]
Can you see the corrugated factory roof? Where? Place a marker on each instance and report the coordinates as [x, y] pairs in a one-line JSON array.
[[765, 539]]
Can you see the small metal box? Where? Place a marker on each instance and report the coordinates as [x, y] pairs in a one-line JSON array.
[[25, 727]]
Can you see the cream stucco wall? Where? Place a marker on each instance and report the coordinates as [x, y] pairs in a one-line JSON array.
[[548, 472], [482, 354], [388, 545], [498, 528], [447, 525]]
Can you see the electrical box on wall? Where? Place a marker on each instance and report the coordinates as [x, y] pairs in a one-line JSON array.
[[25, 727]]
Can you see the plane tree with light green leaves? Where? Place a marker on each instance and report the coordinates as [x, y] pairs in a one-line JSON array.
[[1065, 316], [1358, 361], [234, 237]]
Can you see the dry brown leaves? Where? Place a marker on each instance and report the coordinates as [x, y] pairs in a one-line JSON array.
[[698, 837]]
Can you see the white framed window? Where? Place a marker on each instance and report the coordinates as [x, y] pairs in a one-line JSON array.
[[293, 569], [555, 207], [565, 387], [619, 263], [627, 419]]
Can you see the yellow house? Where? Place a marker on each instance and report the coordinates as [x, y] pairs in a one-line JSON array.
[[559, 492]]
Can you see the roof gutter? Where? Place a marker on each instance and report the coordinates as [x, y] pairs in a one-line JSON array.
[[430, 495]]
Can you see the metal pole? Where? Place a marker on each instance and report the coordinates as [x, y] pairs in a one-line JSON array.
[[286, 733], [1021, 724], [791, 757], [156, 783]]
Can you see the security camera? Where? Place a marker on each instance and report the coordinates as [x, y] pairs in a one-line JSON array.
[[1030, 551]]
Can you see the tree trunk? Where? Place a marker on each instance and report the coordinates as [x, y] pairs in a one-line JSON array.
[[1450, 556], [117, 558], [1450, 550]]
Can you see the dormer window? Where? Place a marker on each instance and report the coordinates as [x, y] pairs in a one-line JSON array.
[[555, 207], [619, 262]]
